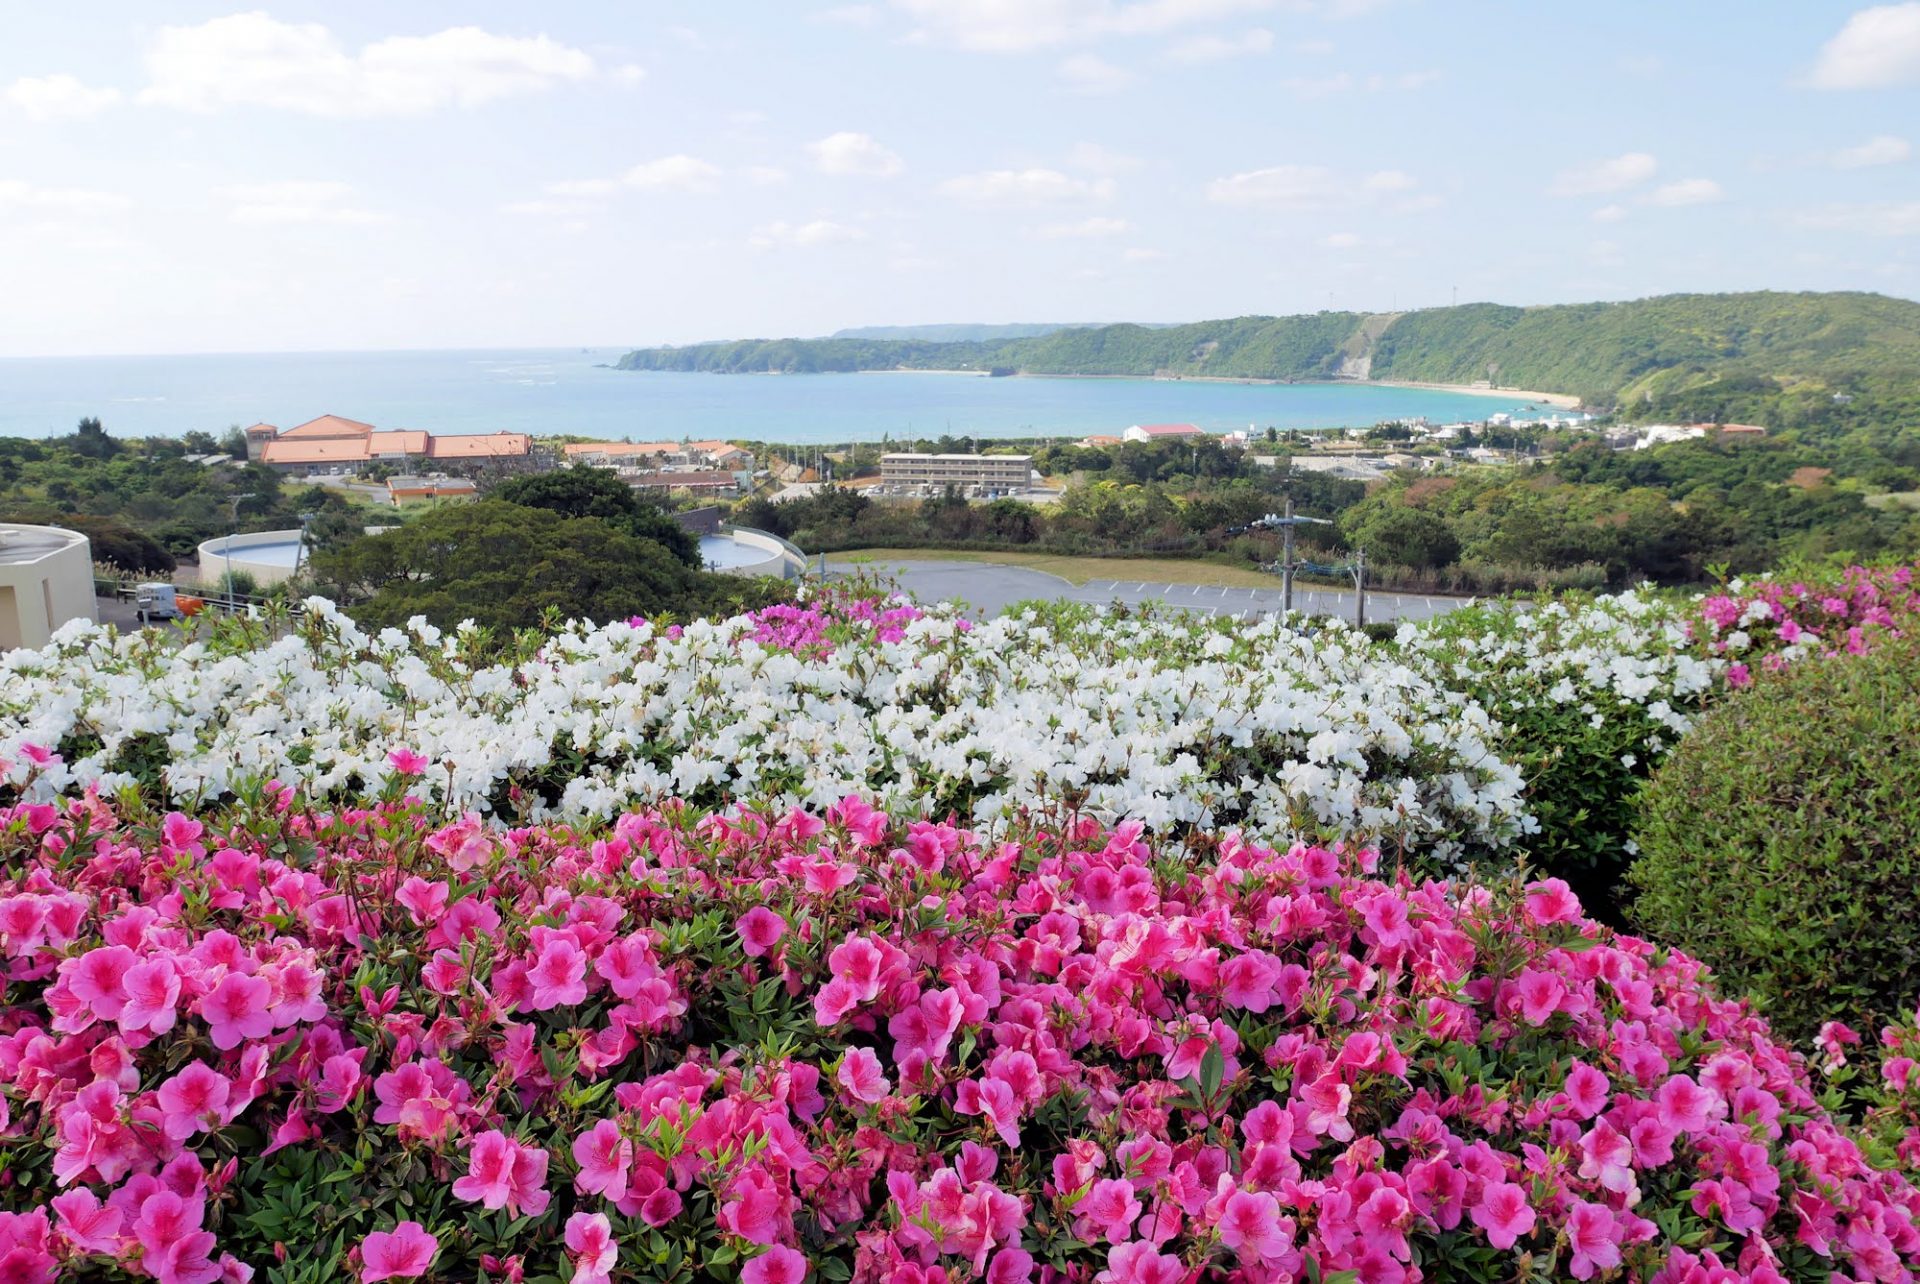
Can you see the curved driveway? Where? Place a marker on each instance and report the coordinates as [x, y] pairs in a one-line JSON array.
[[988, 588]]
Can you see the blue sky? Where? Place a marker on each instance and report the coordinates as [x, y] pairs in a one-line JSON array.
[[180, 177]]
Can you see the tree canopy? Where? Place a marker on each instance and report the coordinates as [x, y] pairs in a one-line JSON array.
[[595, 492], [505, 565]]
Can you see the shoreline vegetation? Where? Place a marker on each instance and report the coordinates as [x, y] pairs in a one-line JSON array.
[[1709, 355], [1558, 400]]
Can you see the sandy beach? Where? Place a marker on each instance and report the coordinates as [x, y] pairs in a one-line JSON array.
[[1558, 400]]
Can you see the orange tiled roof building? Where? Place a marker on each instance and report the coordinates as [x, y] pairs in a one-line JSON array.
[[334, 444]]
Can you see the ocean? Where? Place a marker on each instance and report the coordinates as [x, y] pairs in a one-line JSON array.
[[573, 391]]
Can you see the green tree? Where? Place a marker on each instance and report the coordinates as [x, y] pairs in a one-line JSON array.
[[1403, 536], [596, 492], [505, 565], [91, 440]]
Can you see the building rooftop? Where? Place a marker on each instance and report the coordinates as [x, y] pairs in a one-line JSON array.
[[908, 454], [327, 426], [1170, 430], [336, 450], [20, 545], [489, 445]]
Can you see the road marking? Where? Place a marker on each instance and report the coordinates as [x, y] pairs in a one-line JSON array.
[[1223, 591], [1196, 590], [1141, 586]]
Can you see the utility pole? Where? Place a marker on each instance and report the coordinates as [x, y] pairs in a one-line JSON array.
[[1286, 561], [1360, 588]]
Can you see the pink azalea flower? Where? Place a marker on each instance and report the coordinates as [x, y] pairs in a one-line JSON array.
[[194, 1100], [86, 1223], [1141, 1263], [98, 979], [1252, 1226], [1503, 1214], [605, 1157], [1594, 1236], [861, 1077], [590, 1243], [404, 1253], [1540, 995], [778, 1265], [760, 930], [558, 976], [1685, 1106], [756, 1209], [1110, 1208], [503, 1173], [236, 1010], [405, 762]]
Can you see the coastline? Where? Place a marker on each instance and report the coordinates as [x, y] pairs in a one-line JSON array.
[[1558, 400]]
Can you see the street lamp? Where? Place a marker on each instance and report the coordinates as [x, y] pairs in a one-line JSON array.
[[233, 528]]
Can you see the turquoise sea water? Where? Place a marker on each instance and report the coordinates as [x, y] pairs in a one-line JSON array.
[[570, 391]]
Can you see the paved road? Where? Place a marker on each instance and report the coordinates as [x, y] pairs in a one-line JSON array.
[[988, 588]]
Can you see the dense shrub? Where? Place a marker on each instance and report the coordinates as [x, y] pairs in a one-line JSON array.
[[122, 547], [743, 1046], [1780, 842]]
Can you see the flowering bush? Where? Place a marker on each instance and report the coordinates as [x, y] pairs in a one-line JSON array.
[[1158, 718], [1771, 622], [834, 1045]]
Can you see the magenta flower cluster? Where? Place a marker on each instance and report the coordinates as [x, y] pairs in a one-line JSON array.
[[841, 1046], [831, 617], [1768, 622]]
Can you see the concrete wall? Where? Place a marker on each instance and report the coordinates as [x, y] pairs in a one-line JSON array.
[[213, 558], [46, 579], [784, 560]]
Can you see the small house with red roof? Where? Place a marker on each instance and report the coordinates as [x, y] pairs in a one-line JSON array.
[[1163, 432]]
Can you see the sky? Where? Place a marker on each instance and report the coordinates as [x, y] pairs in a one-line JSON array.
[[198, 177]]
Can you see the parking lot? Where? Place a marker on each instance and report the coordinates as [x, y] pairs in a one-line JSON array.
[[987, 589]]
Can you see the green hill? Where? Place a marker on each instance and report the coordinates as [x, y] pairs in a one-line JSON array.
[[1605, 353]]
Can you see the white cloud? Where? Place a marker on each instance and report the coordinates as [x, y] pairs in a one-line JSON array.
[[803, 235], [1091, 74], [848, 153], [553, 209], [1015, 26], [1877, 47], [251, 59], [1211, 48], [679, 173], [848, 15], [764, 175], [296, 202], [1142, 254], [1317, 86], [1095, 159], [631, 73], [1342, 241], [1340, 82], [1879, 218], [57, 97], [582, 187], [1026, 187], [1085, 228], [1614, 175], [1884, 149], [1307, 187], [1688, 191], [19, 196], [1609, 214]]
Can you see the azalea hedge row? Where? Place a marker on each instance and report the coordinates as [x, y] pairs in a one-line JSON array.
[[281, 1042]]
